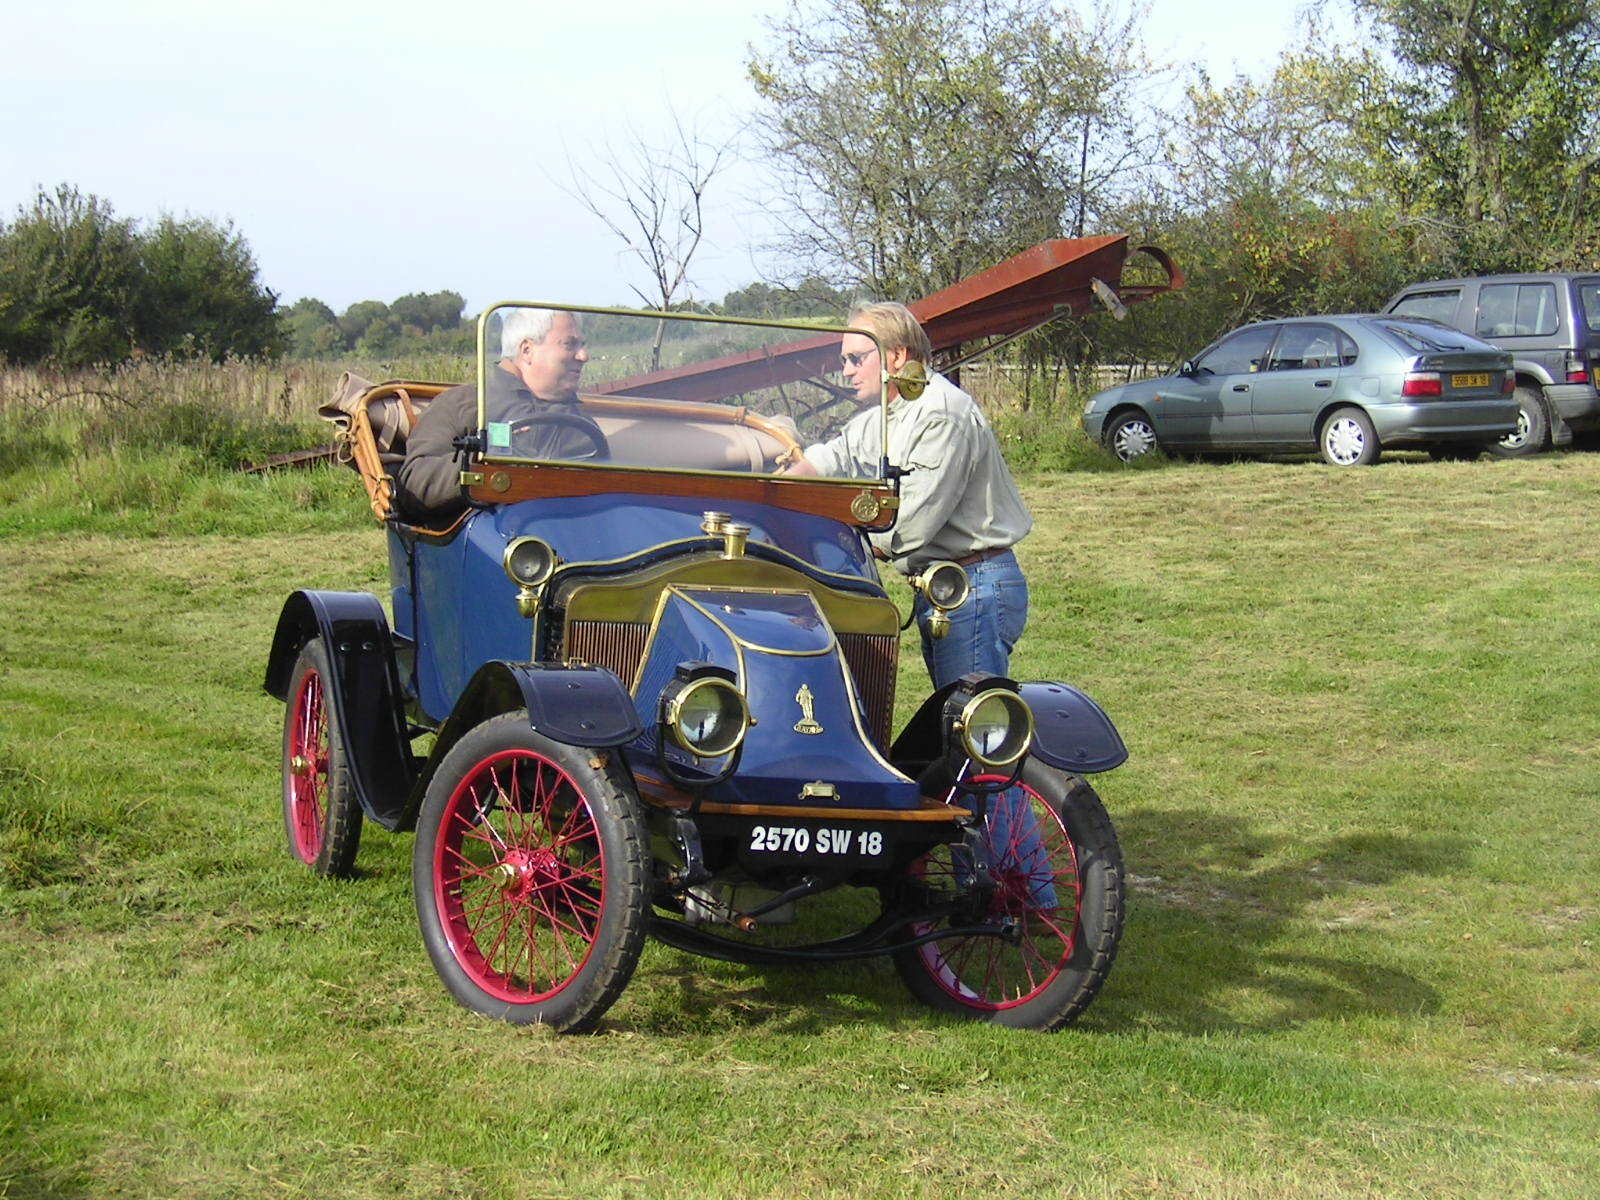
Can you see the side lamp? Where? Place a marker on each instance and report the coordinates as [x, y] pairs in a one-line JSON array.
[[946, 587], [530, 562]]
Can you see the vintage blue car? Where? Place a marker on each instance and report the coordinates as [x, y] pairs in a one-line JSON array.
[[648, 688]]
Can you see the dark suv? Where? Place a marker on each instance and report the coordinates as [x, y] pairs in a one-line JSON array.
[[1551, 325]]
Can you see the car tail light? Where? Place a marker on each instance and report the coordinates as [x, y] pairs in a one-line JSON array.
[[1423, 383], [1508, 384], [1576, 371]]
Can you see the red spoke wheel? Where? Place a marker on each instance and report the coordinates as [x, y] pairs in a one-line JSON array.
[[530, 873], [1058, 884], [320, 811]]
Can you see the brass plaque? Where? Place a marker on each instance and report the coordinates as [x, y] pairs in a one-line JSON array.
[[500, 481], [866, 506]]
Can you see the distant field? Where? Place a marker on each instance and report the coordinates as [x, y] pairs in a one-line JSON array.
[[1362, 960]]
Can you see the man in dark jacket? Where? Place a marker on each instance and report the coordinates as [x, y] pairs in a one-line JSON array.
[[534, 386]]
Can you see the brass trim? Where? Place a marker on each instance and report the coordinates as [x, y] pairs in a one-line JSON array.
[[817, 789], [471, 478], [633, 598], [500, 481]]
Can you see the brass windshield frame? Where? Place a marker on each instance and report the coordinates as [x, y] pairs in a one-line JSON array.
[[481, 356]]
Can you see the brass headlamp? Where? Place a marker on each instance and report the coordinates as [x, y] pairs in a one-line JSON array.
[[947, 588]]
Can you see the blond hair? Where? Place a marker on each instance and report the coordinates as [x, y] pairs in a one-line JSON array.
[[895, 327]]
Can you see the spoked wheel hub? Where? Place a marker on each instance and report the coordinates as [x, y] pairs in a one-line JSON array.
[[521, 873]]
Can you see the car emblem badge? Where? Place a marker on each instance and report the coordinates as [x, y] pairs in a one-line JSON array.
[[808, 718]]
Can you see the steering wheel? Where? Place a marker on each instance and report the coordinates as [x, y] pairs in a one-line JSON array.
[[599, 449]]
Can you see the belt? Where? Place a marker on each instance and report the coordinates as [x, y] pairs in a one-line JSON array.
[[978, 556]]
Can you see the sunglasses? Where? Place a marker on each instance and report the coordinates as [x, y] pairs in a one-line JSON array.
[[855, 360]]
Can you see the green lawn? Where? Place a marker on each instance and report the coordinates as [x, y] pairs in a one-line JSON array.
[[1360, 822]]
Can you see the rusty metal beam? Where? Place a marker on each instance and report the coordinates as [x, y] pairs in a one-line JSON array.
[[1022, 293]]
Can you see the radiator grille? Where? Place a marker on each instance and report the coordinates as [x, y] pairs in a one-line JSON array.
[[871, 657], [614, 645]]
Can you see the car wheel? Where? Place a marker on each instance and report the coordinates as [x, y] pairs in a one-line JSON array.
[[1347, 439], [1130, 436], [320, 811], [1058, 876], [530, 871], [1532, 434]]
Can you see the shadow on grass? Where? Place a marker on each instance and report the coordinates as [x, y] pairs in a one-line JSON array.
[[1224, 933], [1227, 939], [690, 996]]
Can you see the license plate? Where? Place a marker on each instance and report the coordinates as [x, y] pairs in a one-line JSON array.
[[826, 841], [1469, 381]]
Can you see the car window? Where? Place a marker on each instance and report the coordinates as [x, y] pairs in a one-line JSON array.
[[1309, 347], [1238, 353], [1435, 306], [1516, 309], [1589, 297], [1424, 339]]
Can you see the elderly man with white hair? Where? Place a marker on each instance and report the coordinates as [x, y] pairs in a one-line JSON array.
[[535, 384]]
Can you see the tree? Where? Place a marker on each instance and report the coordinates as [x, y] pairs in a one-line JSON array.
[[69, 270], [917, 141], [652, 198], [1489, 127], [312, 328], [199, 293], [78, 286]]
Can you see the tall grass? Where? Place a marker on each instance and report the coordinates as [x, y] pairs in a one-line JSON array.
[[151, 446]]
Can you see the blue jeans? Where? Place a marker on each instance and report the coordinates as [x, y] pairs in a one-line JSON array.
[[984, 629]]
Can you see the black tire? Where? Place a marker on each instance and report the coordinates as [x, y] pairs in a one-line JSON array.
[[1131, 435], [1347, 439], [1532, 435], [321, 814], [1053, 973], [531, 874]]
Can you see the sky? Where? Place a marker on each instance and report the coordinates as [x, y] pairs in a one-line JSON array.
[[366, 150]]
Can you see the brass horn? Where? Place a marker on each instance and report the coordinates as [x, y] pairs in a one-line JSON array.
[[911, 380]]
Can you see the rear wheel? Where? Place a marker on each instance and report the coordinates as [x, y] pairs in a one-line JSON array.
[[1532, 434], [530, 872], [1347, 439], [1058, 876], [320, 811]]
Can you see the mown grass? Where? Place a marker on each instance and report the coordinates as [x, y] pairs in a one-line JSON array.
[[1359, 821]]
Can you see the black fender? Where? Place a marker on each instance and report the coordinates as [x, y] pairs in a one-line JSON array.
[[578, 705], [365, 691], [1071, 732]]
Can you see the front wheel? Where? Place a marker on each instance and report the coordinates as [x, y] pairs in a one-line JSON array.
[[1347, 439], [1058, 885], [321, 814], [530, 872], [1131, 435]]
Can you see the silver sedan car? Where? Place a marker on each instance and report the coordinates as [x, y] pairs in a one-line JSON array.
[[1347, 386]]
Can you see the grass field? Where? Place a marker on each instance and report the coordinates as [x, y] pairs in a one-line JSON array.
[[1360, 821]]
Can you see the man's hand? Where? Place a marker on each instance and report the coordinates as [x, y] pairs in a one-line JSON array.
[[796, 464]]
